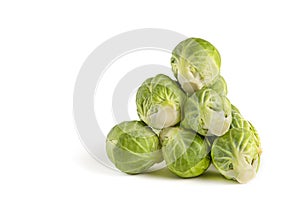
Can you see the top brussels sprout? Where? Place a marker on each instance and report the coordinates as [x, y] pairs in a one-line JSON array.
[[186, 153], [159, 102], [207, 113], [195, 63], [133, 147], [236, 155]]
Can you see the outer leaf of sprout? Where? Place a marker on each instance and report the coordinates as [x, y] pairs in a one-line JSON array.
[[238, 121], [220, 86]]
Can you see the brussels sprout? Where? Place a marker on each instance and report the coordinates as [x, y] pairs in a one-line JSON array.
[[207, 113], [236, 155], [186, 153], [195, 63], [159, 102], [220, 86], [133, 147], [238, 121]]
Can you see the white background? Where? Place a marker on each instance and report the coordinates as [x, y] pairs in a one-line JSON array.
[[43, 45]]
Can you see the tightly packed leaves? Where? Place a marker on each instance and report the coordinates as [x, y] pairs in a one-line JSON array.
[[188, 123]]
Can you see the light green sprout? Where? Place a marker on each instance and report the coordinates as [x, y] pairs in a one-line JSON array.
[[159, 102], [236, 155], [195, 63], [186, 153], [133, 147], [207, 113]]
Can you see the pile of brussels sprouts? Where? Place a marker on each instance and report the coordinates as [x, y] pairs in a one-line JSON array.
[[188, 123]]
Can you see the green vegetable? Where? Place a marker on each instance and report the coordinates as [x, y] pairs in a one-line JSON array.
[[238, 121], [236, 155], [195, 63], [207, 113], [189, 123], [133, 147], [186, 153], [159, 101], [220, 86]]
